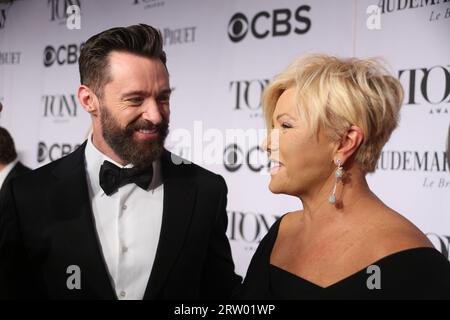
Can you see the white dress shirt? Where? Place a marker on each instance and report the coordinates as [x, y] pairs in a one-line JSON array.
[[128, 225], [6, 170]]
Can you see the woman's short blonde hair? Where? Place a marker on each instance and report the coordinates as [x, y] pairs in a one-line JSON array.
[[335, 94]]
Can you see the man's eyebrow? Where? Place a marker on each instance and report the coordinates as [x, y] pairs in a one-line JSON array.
[[142, 93], [133, 93], [167, 91]]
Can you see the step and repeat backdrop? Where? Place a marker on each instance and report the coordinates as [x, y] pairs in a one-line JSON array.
[[221, 55]]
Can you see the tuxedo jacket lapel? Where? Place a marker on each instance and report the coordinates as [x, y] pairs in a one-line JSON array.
[[179, 198], [76, 232]]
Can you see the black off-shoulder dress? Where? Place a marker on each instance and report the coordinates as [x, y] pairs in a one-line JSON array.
[[419, 273]]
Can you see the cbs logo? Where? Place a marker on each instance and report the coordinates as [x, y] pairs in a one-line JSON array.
[[54, 152], [65, 54], [279, 22]]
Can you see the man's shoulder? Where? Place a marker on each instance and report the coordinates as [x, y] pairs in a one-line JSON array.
[[183, 168], [43, 174], [44, 170], [19, 169]]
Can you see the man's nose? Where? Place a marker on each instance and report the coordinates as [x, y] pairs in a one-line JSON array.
[[152, 112]]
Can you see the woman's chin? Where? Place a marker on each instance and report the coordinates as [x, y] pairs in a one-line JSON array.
[[274, 188]]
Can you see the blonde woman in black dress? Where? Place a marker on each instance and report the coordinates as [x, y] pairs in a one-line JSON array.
[[328, 120]]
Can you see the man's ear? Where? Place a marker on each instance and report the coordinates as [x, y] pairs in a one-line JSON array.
[[349, 144], [88, 100]]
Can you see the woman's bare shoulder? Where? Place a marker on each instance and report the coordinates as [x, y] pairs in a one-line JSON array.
[[289, 220], [392, 232]]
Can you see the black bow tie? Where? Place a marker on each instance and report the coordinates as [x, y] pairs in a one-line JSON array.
[[112, 177]]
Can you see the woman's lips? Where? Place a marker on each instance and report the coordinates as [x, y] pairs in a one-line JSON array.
[[275, 166]]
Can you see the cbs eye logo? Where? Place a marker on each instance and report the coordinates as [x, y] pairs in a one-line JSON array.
[[279, 22], [49, 56], [233, 157], [237, 27]]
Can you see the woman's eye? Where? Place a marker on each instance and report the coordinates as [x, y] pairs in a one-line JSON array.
[[286, 125]]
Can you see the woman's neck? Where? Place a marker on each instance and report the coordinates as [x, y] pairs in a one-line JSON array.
[[351, 191]]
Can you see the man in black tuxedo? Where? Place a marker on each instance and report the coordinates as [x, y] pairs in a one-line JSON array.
[[10, 166], [120, 217]]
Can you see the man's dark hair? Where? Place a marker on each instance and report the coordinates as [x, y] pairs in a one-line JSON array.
[[140, 39], [7, 149]]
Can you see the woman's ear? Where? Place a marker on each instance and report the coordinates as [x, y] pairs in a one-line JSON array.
[[88, 100], [349, 144]]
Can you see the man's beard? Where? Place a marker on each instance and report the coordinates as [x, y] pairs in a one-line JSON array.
[[140, 153]]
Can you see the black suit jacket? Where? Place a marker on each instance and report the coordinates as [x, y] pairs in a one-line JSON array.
[[46, 225], [16, 171]]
